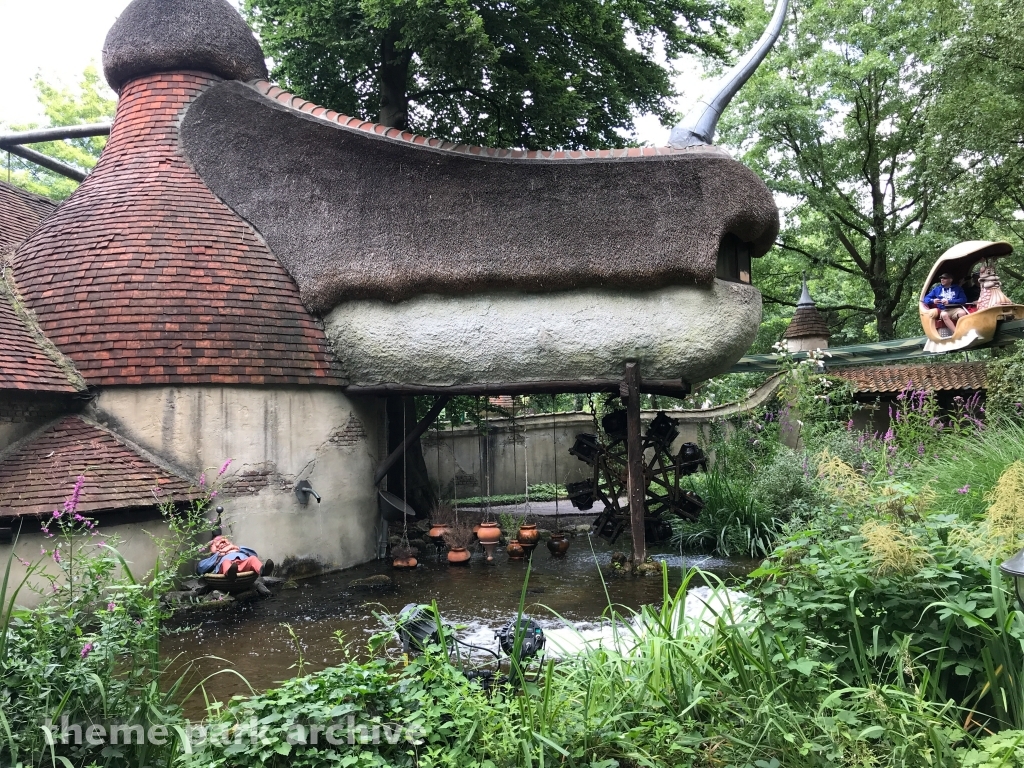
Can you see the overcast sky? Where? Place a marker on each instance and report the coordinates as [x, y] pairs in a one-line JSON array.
[[58, 38]]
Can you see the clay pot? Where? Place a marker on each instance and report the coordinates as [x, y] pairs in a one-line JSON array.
[[436, 532], [515, 550], [488, 533], [528, 535], [458, 556], [404, 562], [558, 545], [476, 530]]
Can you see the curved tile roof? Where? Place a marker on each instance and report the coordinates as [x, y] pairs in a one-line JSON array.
[[20, 214], [24, 364], [931, 377], [144, 277], [37, 475]]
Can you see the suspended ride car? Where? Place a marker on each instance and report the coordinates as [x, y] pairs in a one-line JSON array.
[[977, 325]]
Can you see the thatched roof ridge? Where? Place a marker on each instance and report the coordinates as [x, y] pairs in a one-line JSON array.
[[166, 35]]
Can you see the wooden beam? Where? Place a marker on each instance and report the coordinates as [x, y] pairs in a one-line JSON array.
[[630, 392], [421, 426], [670, 387]]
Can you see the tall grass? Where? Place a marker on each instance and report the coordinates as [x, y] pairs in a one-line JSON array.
[[967, 467], [733, 522]]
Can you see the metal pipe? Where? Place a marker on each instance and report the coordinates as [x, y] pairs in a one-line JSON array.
[[698, 127], [39, 135], [46, 162]]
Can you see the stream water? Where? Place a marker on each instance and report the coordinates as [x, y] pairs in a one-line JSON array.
[[251, 641]]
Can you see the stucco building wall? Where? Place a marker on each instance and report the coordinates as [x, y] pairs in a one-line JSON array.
[[275, 437], [541, 447], [136, 542]]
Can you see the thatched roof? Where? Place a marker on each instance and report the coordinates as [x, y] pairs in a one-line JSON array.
[[167, 35], [356, 210]]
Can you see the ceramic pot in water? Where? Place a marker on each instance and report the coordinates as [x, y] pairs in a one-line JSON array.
[[436, 532], [558, 545], [488, 533], [476, 530], [404, 562], [515, 550], [528, 535], [458, 556]]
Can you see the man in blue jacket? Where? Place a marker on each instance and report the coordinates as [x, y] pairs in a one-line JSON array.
[[946, 301]]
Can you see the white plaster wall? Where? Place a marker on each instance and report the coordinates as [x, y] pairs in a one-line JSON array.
[[688, 332], [137, 543], [275, 437]]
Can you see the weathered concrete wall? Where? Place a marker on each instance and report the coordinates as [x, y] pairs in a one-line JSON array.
[[540, 449], [275, 437], [137, 543]]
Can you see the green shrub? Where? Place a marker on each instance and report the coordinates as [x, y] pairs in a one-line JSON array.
[[1005, 384], [907, 594], [90, 651]]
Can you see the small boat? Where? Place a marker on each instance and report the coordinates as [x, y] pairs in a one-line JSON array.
[[992, 307], [242, 582]]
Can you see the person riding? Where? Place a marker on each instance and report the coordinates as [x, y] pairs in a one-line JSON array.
[[229, 559], [945, 301]]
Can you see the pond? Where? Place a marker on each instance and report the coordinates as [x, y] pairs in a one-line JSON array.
[[251, 640]]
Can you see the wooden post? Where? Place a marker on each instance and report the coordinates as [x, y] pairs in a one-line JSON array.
[[630, 392]]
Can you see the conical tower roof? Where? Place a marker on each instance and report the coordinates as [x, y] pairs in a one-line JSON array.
[[807, 322]]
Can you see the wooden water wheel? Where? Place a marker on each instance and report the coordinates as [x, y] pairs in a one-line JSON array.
[[664, 496]]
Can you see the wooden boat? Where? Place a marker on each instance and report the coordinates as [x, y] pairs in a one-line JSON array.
[[242, 582], [977, 328]]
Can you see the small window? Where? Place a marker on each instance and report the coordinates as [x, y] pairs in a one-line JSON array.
[[733, 260]]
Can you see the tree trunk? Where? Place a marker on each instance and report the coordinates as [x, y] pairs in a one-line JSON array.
[[394, 84], [408, 479]]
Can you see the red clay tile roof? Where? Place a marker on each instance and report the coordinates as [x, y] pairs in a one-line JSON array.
[[297, 102], [20, 214], [24, 364], [37, 476], [930, 377], [807, 322], [144, 277]]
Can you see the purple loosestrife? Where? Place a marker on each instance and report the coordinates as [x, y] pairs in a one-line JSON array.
[[224, 467], [965, 489], [86, 650]]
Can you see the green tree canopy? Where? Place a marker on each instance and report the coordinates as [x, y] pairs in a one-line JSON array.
[[979, 119], [90, 102], [532, 73], [836, 121]]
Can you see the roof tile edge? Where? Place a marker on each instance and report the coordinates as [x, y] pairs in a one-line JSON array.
[[297, 104]]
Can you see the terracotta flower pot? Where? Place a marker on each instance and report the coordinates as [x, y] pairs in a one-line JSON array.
[[558, 545], [476, 530], [404, 562], [515, 550], [436, 532], [458, 556], [488, 533], [528, 535]]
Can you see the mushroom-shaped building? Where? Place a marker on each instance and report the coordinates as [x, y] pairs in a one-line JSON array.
[[244, 272]]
